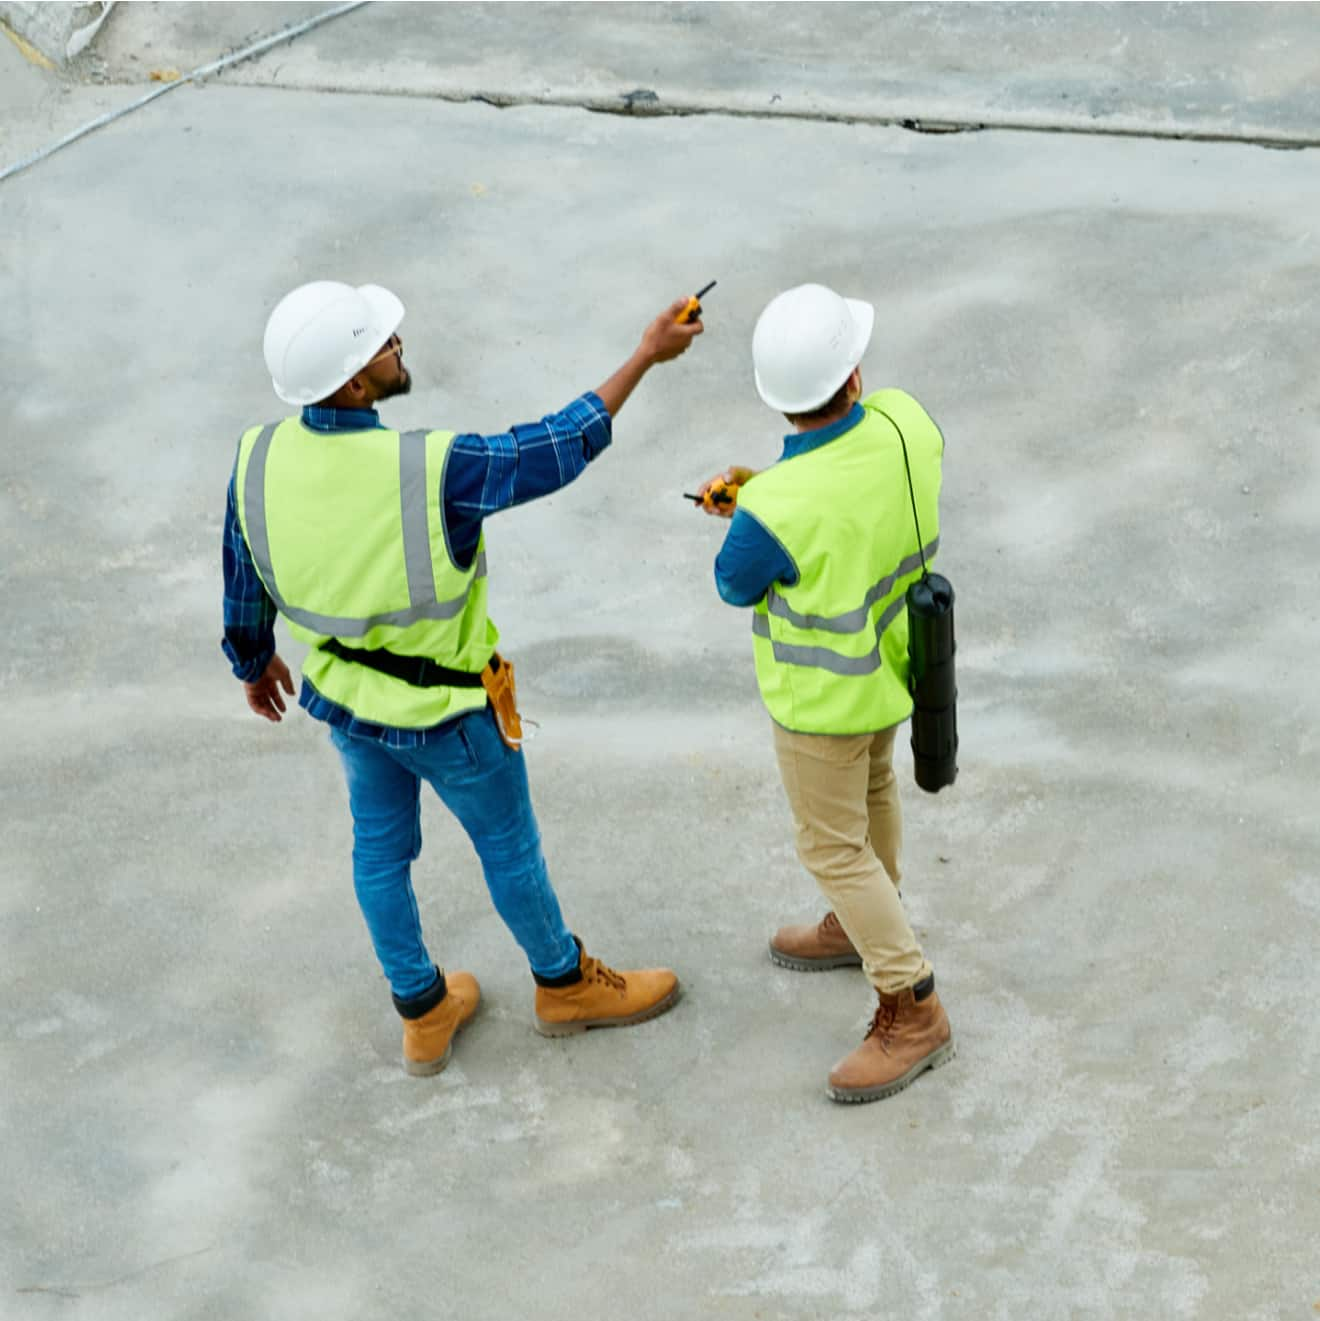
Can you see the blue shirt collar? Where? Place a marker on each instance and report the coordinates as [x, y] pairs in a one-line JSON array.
[[803, 442], [318, 417]]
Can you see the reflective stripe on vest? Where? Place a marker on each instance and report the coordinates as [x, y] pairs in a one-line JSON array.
[[822, 658], [416, 546], [851, 621]]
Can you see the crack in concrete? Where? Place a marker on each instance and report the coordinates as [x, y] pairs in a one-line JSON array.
[[642, 103]]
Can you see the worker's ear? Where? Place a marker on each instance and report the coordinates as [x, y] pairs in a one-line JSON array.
[[855, 385]]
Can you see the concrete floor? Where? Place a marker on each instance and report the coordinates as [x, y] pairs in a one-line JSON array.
[[202, 1114]]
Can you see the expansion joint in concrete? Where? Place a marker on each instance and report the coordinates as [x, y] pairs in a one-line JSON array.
[[645, 104]]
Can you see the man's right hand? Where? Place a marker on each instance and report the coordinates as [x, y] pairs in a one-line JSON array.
[[663, 340], [264, 696], [729, 477], [666, 337]]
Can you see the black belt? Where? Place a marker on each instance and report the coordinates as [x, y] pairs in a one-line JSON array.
[[415, 670]]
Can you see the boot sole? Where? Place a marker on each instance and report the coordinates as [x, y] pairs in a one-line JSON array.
[[577, 1028], [429, 1068], [823, 964], [859, 1095]]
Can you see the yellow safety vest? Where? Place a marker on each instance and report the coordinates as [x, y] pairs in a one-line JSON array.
[[831, 651], [348, 536]]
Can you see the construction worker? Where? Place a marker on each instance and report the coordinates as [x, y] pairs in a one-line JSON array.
[[370, 543], [823, 546]]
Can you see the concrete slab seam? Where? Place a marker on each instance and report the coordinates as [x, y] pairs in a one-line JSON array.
[[631, 105]]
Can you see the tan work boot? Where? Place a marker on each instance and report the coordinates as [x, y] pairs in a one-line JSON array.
[[909, 1034], [814, 948], [428, 1041], [602, 997]]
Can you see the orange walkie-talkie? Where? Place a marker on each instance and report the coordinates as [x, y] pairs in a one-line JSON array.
[[720, 493], [692, 309]]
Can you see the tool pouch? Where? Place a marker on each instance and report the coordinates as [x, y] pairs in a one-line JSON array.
[[497, 680]]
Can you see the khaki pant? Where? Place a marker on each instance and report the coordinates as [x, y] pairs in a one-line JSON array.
[[844, 798]]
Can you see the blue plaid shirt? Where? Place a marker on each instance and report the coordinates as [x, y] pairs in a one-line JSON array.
[[484, 475]]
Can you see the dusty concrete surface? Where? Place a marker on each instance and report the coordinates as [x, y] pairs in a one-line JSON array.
[[202, 1114], [1217, 69]]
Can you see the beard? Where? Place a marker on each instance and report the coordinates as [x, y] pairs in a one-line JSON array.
[[402, 386]]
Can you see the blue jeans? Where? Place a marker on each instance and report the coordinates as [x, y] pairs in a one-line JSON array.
[[484, 784]]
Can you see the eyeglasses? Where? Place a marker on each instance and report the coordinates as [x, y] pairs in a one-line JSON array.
[[393, 348]]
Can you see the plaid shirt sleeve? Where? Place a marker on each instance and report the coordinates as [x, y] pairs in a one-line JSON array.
[[490, 473], [249, 639]]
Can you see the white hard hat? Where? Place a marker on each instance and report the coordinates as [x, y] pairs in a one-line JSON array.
[[322, 334], [806, 344]]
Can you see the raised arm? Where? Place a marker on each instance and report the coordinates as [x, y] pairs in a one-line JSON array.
[[663, 340]]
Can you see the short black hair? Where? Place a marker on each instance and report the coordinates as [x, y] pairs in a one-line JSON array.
[[831, 405]]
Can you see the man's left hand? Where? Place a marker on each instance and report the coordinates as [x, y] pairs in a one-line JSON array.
[[264, 696]]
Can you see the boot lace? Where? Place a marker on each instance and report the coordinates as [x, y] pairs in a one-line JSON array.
[[599, 972], [882, 1024], [830, 922]]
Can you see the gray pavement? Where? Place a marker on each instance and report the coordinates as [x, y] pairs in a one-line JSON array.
[[1179, 69], [202, 1113]]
